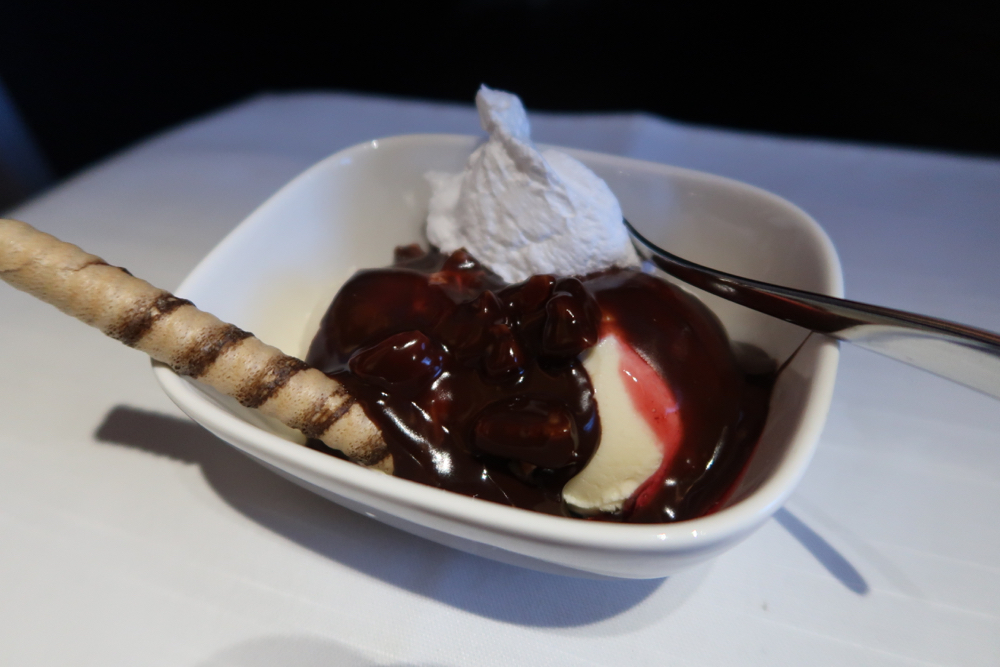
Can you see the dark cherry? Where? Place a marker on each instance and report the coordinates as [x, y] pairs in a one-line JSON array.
[[526, 300], [572, 320], [535, 430], [461, 275], [464, 328], [407, 253], [409, 358], [365, 312], [504, 358]]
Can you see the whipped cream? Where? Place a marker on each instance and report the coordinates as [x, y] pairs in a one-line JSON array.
[[521, 211]]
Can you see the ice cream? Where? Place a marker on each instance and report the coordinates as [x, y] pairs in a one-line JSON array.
[[640, 428], [521, 211], [527, 360], [479, 388]]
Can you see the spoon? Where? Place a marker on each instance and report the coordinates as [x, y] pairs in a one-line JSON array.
[[965, 355]]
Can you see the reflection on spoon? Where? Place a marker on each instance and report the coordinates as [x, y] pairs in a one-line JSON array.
[[959, 353]]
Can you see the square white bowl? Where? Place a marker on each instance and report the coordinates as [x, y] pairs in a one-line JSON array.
[[277, 271]]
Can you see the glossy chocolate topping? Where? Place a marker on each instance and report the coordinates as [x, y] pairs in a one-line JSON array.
[[478, 386]]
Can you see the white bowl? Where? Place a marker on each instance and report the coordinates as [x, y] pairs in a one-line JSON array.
[[283, 263]]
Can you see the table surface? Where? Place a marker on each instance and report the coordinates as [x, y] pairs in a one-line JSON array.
[[128, 535]]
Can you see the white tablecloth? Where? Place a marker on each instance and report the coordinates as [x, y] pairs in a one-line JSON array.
[[129, 536]]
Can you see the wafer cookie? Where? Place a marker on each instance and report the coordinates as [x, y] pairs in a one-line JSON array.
[[192, 342]]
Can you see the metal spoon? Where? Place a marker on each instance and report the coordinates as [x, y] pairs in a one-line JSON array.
[[959, 353]]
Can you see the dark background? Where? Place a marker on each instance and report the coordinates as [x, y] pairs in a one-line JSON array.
[[91, 79]]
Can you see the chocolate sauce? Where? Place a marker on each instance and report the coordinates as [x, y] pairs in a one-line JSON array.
[[478, 385]]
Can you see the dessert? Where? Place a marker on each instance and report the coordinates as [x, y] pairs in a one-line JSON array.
[[525, 359], [478, 386], [558, 377]]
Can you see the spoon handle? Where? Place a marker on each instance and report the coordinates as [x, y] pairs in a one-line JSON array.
[[959, 353]]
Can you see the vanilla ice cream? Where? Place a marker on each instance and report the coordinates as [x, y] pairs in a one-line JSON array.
[[640, 428]]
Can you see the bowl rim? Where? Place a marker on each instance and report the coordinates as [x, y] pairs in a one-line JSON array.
[[700, 533]]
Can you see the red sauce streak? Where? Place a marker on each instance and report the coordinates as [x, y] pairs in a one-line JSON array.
[[655, 402]]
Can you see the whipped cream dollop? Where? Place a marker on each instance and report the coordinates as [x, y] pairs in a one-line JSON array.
[[522, 211]]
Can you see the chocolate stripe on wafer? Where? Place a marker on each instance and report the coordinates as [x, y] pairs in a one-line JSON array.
[[197, 360], [138, 321], [320, 416], [171, 330], [275, 376]]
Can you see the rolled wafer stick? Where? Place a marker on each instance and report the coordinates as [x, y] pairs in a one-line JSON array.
[[192, 342]]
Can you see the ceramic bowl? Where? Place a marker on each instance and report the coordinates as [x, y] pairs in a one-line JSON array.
[[281, 266]]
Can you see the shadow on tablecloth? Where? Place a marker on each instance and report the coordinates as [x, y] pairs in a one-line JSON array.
[[474, 584], [823, 551]]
